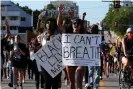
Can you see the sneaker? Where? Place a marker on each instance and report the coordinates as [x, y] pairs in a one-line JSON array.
[[20, 87], [23, 81], [42, 86], [101, 78], [86, 85], [32, 77], [37, 87], [10, 85], [66, 82], [89, 87], [14, 86], [83, 79]]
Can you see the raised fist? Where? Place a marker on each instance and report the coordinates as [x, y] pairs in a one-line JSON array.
[[84, 14], [60, 8], [6, 22]]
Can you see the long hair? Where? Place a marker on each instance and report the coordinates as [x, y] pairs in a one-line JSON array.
[[69, 28], [54, 22]]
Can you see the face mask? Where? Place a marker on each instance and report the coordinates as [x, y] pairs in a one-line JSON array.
[[130, 36]]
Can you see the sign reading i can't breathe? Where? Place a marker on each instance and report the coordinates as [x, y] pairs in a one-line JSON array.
[[49, 56], [81, 49]]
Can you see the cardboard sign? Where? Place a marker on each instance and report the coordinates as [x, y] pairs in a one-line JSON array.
[[49, 56], [81, 49]]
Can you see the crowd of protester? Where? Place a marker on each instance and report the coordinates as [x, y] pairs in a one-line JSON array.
[[17, 57]]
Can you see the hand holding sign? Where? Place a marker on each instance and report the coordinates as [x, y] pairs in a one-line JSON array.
[[49, 56]]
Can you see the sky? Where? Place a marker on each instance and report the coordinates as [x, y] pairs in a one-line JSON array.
[[95, 10]]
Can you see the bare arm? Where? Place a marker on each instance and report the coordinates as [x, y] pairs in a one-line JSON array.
[[59, 18], [39, 26], [124, 47], [7, 27]]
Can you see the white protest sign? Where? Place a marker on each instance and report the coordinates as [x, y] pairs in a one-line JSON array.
[[81, 49], [49, 56]]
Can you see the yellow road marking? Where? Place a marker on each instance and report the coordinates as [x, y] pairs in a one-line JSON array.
[[102, 85]]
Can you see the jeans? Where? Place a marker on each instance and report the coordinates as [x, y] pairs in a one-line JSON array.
[[10, 73], [94, 76]]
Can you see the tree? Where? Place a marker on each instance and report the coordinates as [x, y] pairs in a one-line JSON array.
[[50, 7], [123, 16]]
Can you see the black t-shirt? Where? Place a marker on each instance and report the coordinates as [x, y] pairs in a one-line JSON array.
[[2, 47], [21, 63], [129, 45]]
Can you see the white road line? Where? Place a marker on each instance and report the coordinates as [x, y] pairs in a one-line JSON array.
[[4, 87]]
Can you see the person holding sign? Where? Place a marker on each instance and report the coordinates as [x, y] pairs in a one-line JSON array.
[[50, 32], [33, 48], [74, 28]]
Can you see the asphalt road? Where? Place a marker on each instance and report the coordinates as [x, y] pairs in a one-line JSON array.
[[110, 83]]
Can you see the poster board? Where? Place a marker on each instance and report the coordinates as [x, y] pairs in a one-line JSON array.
[[49, 56], [81, 49]]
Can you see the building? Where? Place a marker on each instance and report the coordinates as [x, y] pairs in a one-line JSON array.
[[127, 3], [67, 6], [19, 20]]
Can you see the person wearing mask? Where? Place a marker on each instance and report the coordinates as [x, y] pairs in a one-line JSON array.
[[10, 64], [76, 28], [18, 55], [127, 45]]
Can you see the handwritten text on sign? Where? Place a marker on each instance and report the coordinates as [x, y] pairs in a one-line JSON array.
[[49, 56], [81, 49]]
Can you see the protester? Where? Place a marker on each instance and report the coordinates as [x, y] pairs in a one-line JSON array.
[[94, 71], [76, 28], [18, 55], [3, 44], [33, 48], [50, 31], [30, 63], [10, 63]]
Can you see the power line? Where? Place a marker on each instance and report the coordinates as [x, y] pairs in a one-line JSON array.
[[94, 7]]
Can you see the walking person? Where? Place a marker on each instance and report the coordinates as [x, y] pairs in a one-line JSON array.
[[50, 31], [94, 71], [75, 28], [18, 55], [33, 48]]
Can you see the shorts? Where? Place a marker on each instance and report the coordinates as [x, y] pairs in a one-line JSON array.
[[18, 64], [130, 58]]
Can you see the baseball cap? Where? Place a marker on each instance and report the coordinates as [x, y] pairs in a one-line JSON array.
[[129, 30]]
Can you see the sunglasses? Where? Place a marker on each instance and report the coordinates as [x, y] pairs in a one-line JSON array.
[[130, 32], [48, 22]]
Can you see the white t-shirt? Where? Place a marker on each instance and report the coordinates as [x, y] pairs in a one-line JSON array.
[[44, 41]]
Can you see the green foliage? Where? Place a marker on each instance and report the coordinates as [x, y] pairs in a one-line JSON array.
[[36, 32], [123, 16], [50, 7]]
